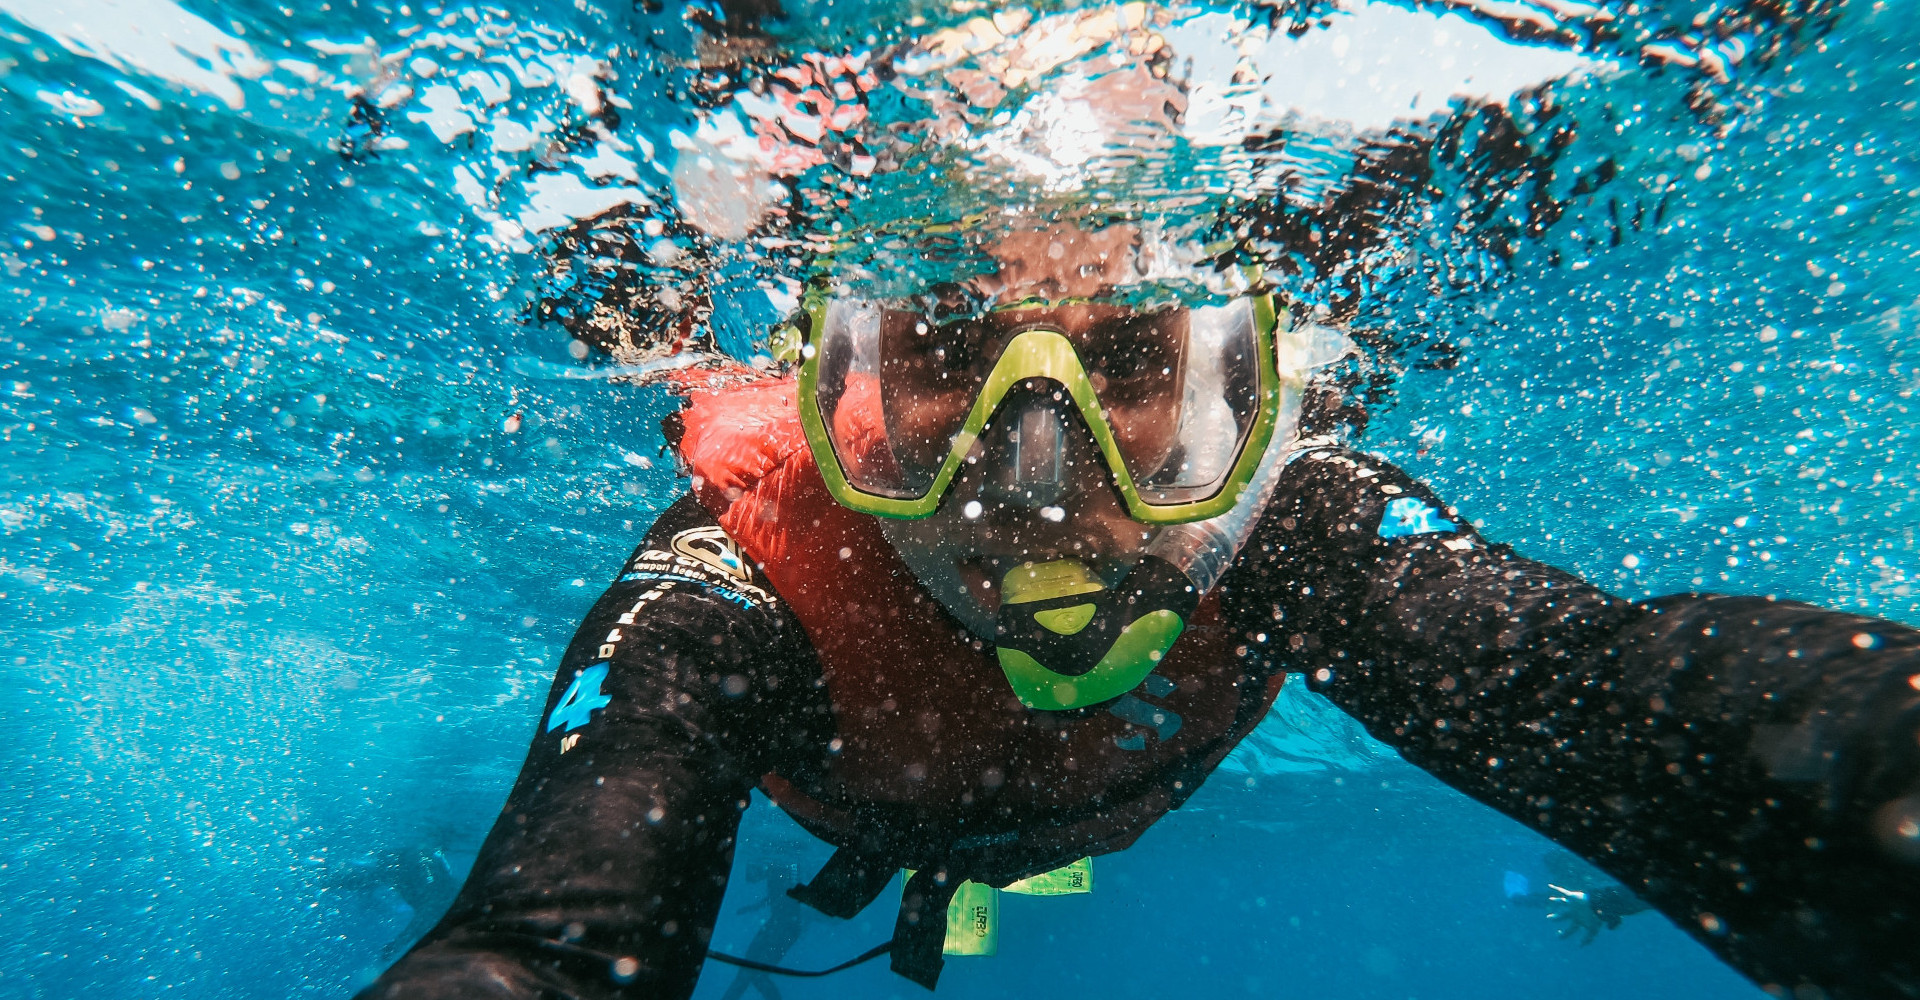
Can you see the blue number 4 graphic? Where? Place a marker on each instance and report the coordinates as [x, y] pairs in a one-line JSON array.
[[583, 696]]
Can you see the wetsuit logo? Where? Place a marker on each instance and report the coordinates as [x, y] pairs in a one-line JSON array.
[[1413, 516], [581, 699], [711, 546]]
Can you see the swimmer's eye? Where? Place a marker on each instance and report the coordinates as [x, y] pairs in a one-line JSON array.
[[956, 347], [1143, 347]]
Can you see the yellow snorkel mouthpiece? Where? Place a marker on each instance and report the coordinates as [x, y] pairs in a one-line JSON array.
[[1065, 640]]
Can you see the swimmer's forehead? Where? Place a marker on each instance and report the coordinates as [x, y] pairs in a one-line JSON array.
[[1120, 264], [1075, 318]]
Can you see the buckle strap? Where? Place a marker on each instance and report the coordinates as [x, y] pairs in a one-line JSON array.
[[920, 931], [845, 884], [851, 879]]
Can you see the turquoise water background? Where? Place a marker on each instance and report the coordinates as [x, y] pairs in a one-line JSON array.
[[298, 509]]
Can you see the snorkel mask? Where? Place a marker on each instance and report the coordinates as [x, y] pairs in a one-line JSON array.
[[1187, 409]]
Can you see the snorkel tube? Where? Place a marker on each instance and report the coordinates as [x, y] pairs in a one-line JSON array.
[[1067, 641]]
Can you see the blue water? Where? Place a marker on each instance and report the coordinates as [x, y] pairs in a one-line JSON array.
[[299, 507]]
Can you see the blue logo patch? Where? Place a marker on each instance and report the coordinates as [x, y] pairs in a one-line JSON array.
[[1413, 516], [724, 593], [581, 699]]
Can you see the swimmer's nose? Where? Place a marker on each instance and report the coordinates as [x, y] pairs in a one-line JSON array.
[[1025, 451]]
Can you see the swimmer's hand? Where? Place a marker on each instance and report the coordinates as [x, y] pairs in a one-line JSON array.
[[1573, 910]]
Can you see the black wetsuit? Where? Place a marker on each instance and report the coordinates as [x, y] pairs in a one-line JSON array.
[[1743, 764]]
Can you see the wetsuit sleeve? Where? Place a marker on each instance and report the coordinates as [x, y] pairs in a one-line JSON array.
[[1613, 903], [603, 876], [1750, 767]]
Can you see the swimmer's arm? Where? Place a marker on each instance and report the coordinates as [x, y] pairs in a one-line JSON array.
[[1724, 757], [607, 866], [1612, 903]]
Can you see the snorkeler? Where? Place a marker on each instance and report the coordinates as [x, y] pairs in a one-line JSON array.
[[1573, 900], [1003, 571], [785, 921]]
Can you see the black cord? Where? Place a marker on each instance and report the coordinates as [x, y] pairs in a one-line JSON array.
[[566, 948], [746, 963]]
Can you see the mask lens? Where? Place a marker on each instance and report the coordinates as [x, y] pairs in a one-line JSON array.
[[1218, 403], [894, 389], [1178, 388]]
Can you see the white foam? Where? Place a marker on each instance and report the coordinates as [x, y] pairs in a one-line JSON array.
[[491, 88], [557, 199], [1378, 64], [153, 37], [69, 103], [446, 114], [605, 162], [1373, 65], [510, 136]]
